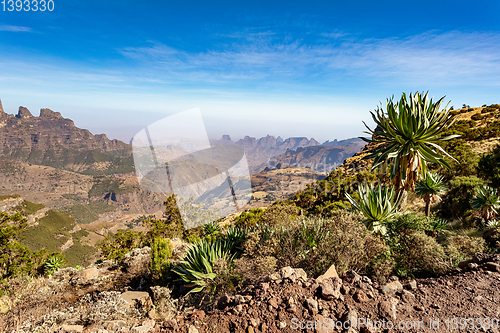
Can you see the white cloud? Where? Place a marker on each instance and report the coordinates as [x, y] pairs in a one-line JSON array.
[[444, 58], [14, 28]]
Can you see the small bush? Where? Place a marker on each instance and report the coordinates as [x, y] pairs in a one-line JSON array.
[[254, 268], [489, 167], [477, 116], [457, 202], [492, 237], [161, 253], [279, 212], [116, 246], [248, 218], [462, 247], [419, 254]]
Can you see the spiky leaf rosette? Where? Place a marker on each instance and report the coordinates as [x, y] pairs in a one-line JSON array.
[[487, 201], [197, 267], [53, 264], [410, 130], [432, 184], [378, 205]]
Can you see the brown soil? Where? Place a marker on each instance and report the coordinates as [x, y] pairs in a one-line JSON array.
[[472, 294]]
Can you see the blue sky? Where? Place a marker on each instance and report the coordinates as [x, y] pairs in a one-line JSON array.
[[289, 68]]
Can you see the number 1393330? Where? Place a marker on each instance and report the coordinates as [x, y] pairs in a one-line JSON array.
[[27, 5]]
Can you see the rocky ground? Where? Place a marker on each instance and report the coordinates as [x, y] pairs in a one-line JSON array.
[[466, 300]]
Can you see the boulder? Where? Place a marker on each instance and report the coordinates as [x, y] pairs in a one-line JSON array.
[[137, 262], [411, 285], [71, 329], [351, 276], [331, 272], [290, 273], [192, 329], [387, 309], [493, 267], [114, 325], [137, 298], [312, 305], [391, 287], [350, 316], [5, 304], [87, 274], [330, 288], [360, 297]]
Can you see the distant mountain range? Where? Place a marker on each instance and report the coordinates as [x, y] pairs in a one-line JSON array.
[[269, 152], [47, 159]]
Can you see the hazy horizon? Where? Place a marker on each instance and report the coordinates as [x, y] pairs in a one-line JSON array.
[[284, 68]]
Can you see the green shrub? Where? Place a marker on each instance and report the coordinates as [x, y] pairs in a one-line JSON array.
[[488, 167], [160, 265], [378, 205], [465, 160], [477, 116], [457, 201], [462, 247], [280, 212], [432, 226], [211, 229], [248, 218], [416, 254], [315, 244], [117, 245]]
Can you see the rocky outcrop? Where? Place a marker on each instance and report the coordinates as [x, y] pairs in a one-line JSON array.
[[9, 203], [23, 113], [49, 114], [137, 261], [51, 139]]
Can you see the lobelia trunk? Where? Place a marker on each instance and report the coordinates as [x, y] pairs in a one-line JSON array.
[[427, 205]]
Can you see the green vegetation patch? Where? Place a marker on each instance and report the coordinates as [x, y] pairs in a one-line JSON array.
[[51, 232], [104, 185], [79, 254], [9, 196], [28, 208], [87, 213]]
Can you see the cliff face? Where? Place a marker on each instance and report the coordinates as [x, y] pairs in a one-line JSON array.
[[50, 139], [260, 151]]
